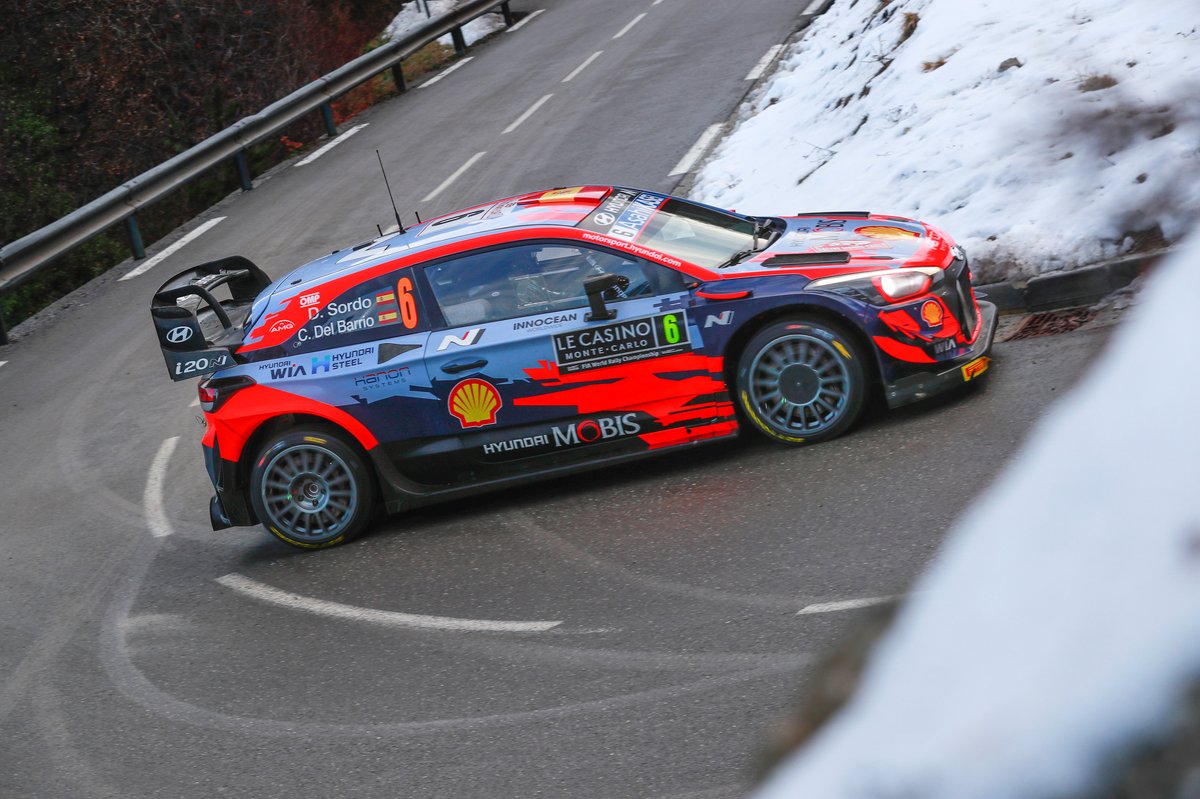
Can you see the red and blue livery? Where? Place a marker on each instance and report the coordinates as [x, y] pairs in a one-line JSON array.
[[551, 333]]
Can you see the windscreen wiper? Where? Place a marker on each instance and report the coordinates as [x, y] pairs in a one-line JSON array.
[[740, 254]]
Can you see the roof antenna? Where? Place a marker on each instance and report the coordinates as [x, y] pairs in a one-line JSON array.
[[418, 213], [399, 225]]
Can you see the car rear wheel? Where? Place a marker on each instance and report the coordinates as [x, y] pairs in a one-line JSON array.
[[312, 489], [801, 381]]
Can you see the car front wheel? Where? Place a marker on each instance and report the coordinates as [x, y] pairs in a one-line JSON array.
[[801, 381], [312, 489]]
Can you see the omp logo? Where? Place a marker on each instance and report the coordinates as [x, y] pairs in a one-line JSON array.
[[282, 325], [722, 318], [178, 335], [466, 340], [310, 299], [590, 431]]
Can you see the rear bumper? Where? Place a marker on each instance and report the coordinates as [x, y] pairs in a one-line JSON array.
[[229, 508], [949, 374]]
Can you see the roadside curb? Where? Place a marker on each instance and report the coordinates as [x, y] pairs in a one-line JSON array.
[[1068, 289]]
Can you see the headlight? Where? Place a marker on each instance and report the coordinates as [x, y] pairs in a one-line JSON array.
[[883, 286], [899, 285]]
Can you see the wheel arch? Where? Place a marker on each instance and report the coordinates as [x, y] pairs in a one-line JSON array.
[[276, 425], [743, 335]]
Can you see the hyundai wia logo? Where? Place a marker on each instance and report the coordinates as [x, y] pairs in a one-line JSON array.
[[178, 335]]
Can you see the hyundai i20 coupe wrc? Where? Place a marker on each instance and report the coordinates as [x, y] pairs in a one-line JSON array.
[[549, 333]]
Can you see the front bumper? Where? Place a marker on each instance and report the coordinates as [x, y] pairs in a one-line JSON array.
[[950, 373]]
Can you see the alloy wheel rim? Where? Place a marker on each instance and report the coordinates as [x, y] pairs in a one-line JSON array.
[[799, 385], [309, 491]]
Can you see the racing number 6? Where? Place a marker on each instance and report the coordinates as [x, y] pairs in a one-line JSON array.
[[671, 329], [407, 302]]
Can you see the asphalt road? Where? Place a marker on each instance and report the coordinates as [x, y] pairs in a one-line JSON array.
[[648, 632]]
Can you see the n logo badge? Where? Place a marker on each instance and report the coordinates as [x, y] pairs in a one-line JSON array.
[[723, 318], [467, 339]]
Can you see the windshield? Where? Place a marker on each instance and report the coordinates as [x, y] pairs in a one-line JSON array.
[[681, 229]]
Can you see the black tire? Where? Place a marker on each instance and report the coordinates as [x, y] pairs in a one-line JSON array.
[[801, 381], [312, 488]]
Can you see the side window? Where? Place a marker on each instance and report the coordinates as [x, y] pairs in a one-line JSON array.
[[537, 278]]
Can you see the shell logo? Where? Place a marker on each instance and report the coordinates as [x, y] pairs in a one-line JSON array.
[[932, 313], [474, 402], [886, 232]]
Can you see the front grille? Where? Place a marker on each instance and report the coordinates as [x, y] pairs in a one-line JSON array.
[[959, 297]]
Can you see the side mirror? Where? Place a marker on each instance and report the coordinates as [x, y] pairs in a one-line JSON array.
[[595, 288]]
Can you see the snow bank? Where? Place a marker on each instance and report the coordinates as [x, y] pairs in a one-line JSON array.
[[413, 16], [1062, 618], [1037, 167]]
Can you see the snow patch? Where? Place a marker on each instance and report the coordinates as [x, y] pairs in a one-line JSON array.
[[1061, 621], [413, 16], [1032, 168]]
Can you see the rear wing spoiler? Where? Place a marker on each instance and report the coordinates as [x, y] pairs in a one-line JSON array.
[[197, 332]]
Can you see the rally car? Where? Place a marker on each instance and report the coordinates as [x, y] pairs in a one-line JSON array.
[[550, 333]]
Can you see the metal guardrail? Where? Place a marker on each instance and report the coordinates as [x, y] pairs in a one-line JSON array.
[[24, 257]]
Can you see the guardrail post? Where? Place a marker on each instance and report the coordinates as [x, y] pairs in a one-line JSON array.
[[507, 12], [398, 76], [243, 170], [135, 237], [460, 42], [327, 116]]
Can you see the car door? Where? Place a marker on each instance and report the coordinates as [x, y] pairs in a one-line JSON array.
[[528, 380]]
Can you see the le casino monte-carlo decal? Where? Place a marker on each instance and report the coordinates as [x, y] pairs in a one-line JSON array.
[[622, 342]]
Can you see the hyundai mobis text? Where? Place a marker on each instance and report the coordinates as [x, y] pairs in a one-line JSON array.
[[549, 333]]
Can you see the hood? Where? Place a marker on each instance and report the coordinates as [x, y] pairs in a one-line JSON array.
[[849, 240]]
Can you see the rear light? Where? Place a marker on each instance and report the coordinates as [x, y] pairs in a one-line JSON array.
[[214, 392], [899, 285]]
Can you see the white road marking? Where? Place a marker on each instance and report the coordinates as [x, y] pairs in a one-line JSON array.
[[812, 7], [849, 604], [174, 248], [656, 2], [195, 403], [446, 72], [582, 66], [528, 113], [308, 159], [632, 22], [693, 155], [764, 62], [3, 362], [152, 500], [529, 18], [457, 174], [336, 610]]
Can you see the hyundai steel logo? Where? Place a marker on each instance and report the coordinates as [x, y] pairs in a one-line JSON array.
[[178, 335]]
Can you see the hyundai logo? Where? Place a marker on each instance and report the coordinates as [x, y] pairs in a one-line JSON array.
[[178, 335]]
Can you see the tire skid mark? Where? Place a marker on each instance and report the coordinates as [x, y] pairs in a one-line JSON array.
[[69, 762], [529, 651], [674, 587], [136, 687], [116, 660]]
